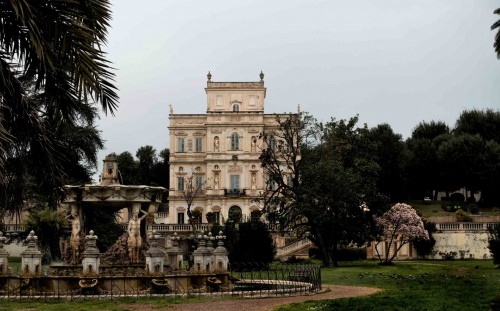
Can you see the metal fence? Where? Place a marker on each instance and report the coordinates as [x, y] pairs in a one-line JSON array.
[[249, 280], [276, 279]]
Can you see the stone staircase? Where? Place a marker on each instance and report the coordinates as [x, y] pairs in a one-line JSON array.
[[295, 249]]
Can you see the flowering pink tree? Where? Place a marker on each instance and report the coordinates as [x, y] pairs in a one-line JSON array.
[[400, 224]]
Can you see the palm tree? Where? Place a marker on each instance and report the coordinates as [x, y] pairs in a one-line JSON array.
[[56, 46], [52, 71], [497, 36]]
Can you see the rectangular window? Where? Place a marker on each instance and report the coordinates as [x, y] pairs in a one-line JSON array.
[[198, 182], [180, 218], [180, 183], [272, 143], [180, 144], [235, 182], [235, 141], [198, 144], [217, 217]]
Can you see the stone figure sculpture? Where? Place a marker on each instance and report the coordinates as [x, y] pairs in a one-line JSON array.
[[74, 240], [216, 144], [134, 236], [216, 181]]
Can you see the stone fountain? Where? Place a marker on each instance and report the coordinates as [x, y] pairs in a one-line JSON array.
[[127, 200], [138, 265]]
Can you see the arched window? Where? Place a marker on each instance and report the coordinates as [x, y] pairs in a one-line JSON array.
[[236, 107], [235, 141], [255, 215], [234, 214]]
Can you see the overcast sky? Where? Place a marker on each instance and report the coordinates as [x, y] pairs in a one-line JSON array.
[[390, 61]]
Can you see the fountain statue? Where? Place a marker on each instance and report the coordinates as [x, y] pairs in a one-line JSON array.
[[74, 240], [134, 240]]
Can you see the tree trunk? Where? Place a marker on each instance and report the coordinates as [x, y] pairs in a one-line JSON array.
[[334, 254], [191, 220], [325, 256]]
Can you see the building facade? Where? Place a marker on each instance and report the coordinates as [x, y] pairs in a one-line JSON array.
[[219, 151]]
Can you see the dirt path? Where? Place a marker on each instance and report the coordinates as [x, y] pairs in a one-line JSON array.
[[265, 304]]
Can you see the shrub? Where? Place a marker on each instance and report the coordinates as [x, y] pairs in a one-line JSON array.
[[314, 253], [48, 226], [463, 216], [424, 247], [351, 254], [294, 259], [494, 243], [470, 200], [458, 197], [249, 242], [453, 206], [448, 255], [473, 208]]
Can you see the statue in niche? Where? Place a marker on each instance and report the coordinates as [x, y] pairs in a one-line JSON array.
[[134, 240], [74, 240], [254, 144], [216, 144], [254, 181], [216, 181]]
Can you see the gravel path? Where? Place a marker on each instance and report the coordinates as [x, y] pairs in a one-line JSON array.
[[265, 304]]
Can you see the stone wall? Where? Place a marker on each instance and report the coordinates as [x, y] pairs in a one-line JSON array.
[[463, 244]]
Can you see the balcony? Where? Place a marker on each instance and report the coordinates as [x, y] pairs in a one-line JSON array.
[[235, 193]]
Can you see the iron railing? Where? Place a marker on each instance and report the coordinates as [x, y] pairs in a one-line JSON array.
[[243, 279]]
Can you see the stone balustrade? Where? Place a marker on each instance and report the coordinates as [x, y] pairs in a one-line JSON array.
[[11, 228], [465, 226], [177, 227], [289, 249]]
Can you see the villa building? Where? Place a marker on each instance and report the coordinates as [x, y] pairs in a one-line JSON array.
[[218, 152]]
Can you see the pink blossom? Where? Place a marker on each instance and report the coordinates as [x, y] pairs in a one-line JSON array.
[[400, 224]]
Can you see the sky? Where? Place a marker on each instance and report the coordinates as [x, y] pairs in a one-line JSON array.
[[399, 62]]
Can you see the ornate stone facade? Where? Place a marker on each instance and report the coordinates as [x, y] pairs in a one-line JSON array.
[[220, 151]]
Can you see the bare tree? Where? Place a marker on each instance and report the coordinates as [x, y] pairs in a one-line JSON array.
[[192, 190]]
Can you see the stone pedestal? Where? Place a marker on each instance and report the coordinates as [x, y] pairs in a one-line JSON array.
[[31, 258], [208, 254], [220, 254], [203, 256], [4, 256], [174, 254], [154, 255], [91, 256]]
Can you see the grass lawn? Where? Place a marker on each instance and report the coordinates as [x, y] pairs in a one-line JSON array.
[[413, 285], [434, 209], [121, 304]]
